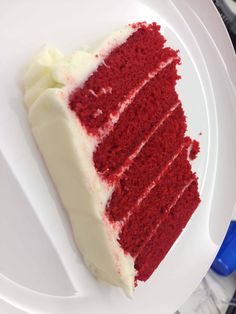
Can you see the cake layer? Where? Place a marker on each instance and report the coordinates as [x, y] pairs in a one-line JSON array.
[[154, 208], [122, 72], [158, 246], [136, 123], [154, 157]]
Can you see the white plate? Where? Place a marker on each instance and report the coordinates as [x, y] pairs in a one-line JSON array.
[[40, 268]]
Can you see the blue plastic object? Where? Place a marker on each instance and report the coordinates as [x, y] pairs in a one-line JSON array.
[[225, 261]]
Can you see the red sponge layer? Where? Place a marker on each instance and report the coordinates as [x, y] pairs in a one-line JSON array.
[[136, 123], [156, 205], [154, 156], [129, 104], [158, 246], [123, 69]]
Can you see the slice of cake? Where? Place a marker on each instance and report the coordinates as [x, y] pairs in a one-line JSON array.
[[111, 129]]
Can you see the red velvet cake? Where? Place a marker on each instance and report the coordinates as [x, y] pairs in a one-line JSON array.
[[128, 108]]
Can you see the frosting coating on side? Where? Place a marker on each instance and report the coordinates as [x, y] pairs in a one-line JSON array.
[[67, 150]]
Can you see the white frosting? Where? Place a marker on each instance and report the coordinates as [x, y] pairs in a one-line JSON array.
[[68, 150]]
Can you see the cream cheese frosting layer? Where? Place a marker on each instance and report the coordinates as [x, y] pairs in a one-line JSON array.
[[68, 150]]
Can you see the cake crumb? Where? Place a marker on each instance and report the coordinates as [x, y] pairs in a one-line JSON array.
[[194, 150]]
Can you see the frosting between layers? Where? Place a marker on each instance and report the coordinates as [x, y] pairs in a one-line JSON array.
[[67, 150]]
